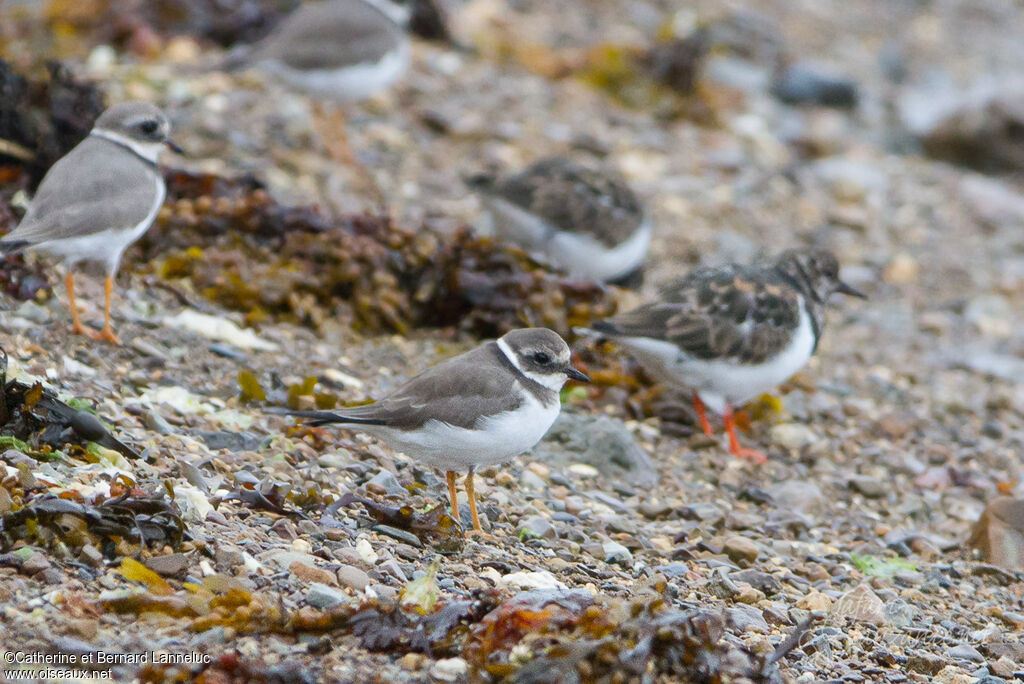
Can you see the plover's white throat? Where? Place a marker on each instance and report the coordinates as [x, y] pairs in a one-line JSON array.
[[586, 221], [99, 198], [481, 408], [731, 333]]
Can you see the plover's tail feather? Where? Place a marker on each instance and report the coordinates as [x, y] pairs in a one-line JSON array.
[[318, 418]]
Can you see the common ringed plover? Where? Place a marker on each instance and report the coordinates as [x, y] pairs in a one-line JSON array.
[[99, 198], [733, 332], [480, 408]]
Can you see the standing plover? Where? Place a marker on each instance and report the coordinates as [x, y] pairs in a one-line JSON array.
[[99, 198], [480, 408]]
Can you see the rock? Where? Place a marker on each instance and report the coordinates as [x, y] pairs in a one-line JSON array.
[[993, 200], [399, 534], [977, 127], [218, 328], [951, 674], [860, 604], [799, 495], [814, 85], [350, 576], [232, 441], [965, 652], [614, 552], [899, 613], [704, 512], [37, 562], [324, 597], [541, 579], [309, 573], [584, 470], [902, 269], [602, 442], [999, 533], [925, 663], [366, 552], [761, 581], [792, 435], [537, 526], [815, 600], [449, 670], [1003, 667], [387, 483], [998, 365], [871, 487], [747, 619], [992, 315], [170, 565], [741, 550]]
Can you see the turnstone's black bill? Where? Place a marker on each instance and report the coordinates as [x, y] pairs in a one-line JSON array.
[[481, 408], [344, 50], [99, 198], [733, 332], [586, 221]]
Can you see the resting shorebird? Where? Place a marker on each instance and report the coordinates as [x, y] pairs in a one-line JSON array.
[[480, 408], [99, 198], [731, 333], [586, 221]]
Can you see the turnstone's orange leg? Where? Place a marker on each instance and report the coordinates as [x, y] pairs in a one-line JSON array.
[[107, 333], [702, 414], [734, 442], [76, 325], [453, 496]]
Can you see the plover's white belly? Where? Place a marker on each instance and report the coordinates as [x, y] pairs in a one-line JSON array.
[[578, 253], [719, 381], [351, 83], [107, 246], [499, 439]]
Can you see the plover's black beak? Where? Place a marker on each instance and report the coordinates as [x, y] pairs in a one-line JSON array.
[[174, 147], [845, 289], [576, 375]]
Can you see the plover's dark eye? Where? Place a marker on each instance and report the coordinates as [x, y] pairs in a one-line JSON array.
[[149, 127], [542, 358]]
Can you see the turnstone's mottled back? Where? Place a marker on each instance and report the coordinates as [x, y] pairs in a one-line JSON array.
[[586, 221], [733, 332]]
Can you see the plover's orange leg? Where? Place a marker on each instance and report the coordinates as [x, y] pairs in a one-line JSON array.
[[734, 442], [453, 496], [702, 414], [76, 325], [107, 333], [472, 503]]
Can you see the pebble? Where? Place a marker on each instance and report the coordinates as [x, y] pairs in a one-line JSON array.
[[815, 600], [351, 576], [747, 619], [740, 550], [366, 552], [871, 487], [537, 526], [170, 565], [965, 652], [400, 535], [614, 552], [324, 597], [309, 573], [792, 435], [810, 84], [584, 471], [37, 562], [449, 669], [799, 495], [602, 442], [385, 482], [524, 579], [860, 604]]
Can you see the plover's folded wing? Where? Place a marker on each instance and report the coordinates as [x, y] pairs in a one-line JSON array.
[[82, 194], [355, 32], [460, 392]]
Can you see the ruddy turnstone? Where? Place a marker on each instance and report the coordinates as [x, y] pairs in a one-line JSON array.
[[733, 332], [586, 221], [480, 408], [99, 198]]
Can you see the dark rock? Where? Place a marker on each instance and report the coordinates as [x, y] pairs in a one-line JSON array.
[[400, 535], [171, 565], [761, 581], [232, 441], [603, 442], [747, 619], [809, 85], [925, 663]]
